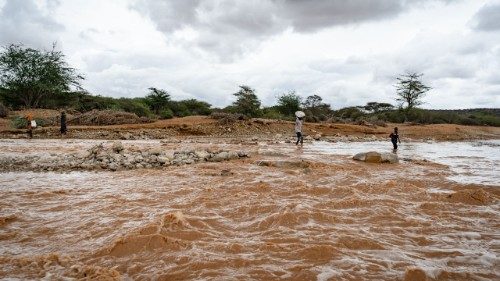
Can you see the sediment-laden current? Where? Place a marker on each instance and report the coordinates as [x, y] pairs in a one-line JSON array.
[[308, 214]]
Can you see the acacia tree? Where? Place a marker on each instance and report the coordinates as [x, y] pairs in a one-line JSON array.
[[29, 76], [315, 109], [157, 99], [410, 90], [289, 103], [247, 102], [376, 107]]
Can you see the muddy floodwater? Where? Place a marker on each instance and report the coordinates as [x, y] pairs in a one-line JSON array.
[[311, 214]]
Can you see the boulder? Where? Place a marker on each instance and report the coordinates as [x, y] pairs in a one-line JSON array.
[[376, 157], [317, 137], [155, 151], [373, 157], [284, 163], [233, 155], [389, 158], [202, 154], [163, 160], [360, 156], [221, 156]]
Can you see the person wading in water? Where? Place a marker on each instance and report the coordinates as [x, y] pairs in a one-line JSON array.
[[299, 121], [395, 138]]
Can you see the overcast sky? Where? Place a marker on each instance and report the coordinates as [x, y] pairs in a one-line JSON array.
[[347, 51]]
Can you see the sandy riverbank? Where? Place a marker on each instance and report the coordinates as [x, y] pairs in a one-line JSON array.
[[262, 128]]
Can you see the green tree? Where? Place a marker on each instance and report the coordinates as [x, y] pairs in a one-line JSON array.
[[315, 109], [376, 107], [190, 107], [410, 90], [247, 102], [157, 100], [28, 77], [289, 103]]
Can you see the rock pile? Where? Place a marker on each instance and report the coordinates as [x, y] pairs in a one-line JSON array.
[[116, 157]]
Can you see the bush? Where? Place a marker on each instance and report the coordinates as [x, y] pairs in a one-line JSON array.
[[22, 123], [134, 106], [108, 117], [19, 122], [166, 114], [4, 111], [190, 107], [273, 113]]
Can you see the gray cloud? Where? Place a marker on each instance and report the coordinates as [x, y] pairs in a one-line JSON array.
[[229, 28], [25, 22], [487, 18]]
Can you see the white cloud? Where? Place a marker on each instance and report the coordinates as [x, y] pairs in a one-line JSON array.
[[348, 53]]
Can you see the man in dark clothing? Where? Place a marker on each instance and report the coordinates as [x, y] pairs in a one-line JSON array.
[[395, 138], [64, 128], [298, 130]]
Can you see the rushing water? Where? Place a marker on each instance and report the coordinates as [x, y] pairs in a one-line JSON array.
[[472, 162], [335, 220]]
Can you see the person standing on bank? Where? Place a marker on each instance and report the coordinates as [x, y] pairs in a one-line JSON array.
[[31, 122], [64, 128], [299, 121], [395, 138]]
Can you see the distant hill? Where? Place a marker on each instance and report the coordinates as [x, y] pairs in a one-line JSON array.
[[489, 111]]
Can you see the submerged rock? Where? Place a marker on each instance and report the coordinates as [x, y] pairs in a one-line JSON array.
[[284, 163]]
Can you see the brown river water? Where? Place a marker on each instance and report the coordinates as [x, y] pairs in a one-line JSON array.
[[329, 219]]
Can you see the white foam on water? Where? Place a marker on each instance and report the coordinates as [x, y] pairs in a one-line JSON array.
[[327, 272]]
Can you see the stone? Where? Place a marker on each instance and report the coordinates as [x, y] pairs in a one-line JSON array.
[[126, 136], [113, 166], [388, 157], [284, 163], [373, 157], [376, 157], [155, 151], [163, 160], [233, 155], [243, 154], [203, 155], [317, 137], [360, 156], [153, 159], [139, 159]]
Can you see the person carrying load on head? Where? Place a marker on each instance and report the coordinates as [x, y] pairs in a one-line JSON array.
[[299, 121]]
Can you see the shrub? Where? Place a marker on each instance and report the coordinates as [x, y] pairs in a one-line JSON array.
[[134, 106], [108, 117], [273, 113], [19, 122], [166, 114]]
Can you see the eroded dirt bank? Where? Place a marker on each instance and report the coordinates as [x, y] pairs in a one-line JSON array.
[[301, 216], [261, 128]]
